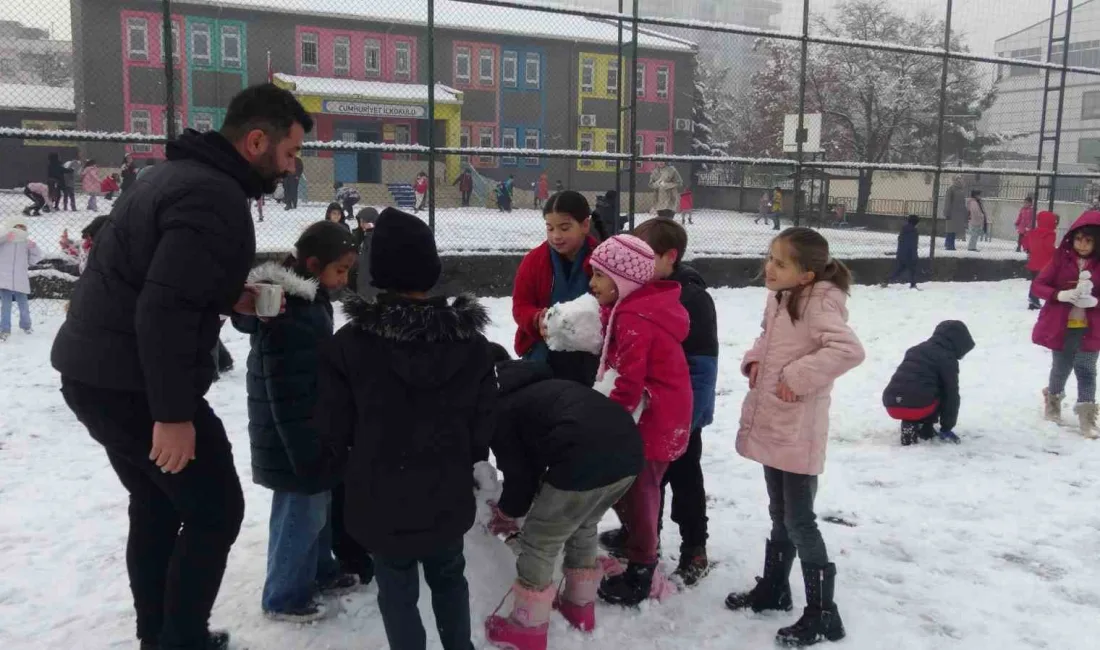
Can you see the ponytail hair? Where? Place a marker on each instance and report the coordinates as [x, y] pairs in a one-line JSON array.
[[811, 252]]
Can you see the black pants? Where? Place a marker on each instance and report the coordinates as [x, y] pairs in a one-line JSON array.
[[55, 192], [349, 208], [466, 199], [353, 558], [791, 506], [399, 590], [38, 200], [1032, 299], [181, 525], [689, 496], [68, 198], [904, 269], [290, 194]]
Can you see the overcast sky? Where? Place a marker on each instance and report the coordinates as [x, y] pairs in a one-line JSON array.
[[984, 21]]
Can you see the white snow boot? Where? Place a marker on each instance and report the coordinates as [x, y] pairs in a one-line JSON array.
[[1086, 416], [1053, 410]]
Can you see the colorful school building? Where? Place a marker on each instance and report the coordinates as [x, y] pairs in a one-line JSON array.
[[505, 78]]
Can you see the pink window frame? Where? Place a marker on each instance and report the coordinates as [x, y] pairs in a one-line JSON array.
[[155, 37], [357, 58], [475, 66]]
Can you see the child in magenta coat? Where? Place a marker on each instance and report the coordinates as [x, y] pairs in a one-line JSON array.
[[644, 370], [1069, 323], [805, 346]]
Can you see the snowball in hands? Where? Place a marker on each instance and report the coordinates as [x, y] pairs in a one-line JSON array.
[[575, 326]]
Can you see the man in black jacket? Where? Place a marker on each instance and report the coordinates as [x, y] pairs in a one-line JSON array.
[[135, 357], [406, 392], [925, 387]]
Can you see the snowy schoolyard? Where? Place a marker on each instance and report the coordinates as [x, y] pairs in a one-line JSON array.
[[459, 231], [989, 545]]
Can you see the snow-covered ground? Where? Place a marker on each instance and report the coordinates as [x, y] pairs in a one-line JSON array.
[[715, 233], [989, 545]]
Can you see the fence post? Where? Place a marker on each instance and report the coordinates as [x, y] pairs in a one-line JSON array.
[[633, 115], [801, 107], [619, 110], [169, 71], [431, 115], [1061, 111], [939, 136]]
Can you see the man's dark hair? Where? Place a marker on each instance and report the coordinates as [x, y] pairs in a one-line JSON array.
[[267, 107], [664, 235]]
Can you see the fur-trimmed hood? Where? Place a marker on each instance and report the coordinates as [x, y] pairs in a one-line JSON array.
[[430, 321], [293, 284]]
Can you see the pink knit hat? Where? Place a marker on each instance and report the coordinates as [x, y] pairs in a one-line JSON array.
[[627, 260]]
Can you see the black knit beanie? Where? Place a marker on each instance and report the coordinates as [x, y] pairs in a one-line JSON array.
[[403, 254]]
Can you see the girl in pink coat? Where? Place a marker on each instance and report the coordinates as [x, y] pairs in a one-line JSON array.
[[91, 183], [805, 346]]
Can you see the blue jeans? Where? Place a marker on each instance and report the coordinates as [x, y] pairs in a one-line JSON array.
[[6, 296], [299, 550], [399, 590]]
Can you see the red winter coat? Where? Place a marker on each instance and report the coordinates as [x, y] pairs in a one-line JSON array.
[[645, 347], [421, 186], [108, 185], [1062, 273], [1039, 243], [531, 292], [544, 189]]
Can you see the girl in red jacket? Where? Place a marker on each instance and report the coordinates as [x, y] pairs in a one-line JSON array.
[[644, 370], [1039, 244], [556, 271]]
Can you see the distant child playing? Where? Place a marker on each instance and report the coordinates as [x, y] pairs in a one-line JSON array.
[[908, 256], [805, 346], [287, 452], [17, 254], [1040, 246], [1069, 323]]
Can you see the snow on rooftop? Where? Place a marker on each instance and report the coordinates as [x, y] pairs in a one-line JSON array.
[[352, 88], [451, 14], [31, 97]]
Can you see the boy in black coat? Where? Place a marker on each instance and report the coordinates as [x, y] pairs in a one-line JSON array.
[[568, 454], [925, 387], [907, 255], [407, 392]]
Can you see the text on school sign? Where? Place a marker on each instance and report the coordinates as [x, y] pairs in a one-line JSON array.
[[374, 110]]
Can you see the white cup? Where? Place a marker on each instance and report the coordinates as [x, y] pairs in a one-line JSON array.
[[269, 300]]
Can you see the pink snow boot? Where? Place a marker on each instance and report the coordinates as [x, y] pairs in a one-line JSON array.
[[526, 627], [578, 603]]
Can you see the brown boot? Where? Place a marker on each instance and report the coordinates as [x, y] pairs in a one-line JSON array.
[[1086, 416], [1053, 410]]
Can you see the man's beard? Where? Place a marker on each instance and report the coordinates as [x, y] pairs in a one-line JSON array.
[[268, 170]]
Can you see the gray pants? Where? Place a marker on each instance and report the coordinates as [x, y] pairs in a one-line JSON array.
[[791, 506], [973, 236], [560, 517], [1071, 359]]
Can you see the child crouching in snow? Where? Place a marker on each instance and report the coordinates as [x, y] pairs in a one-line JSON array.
[[568, 454], [644, 370], [925, 387], [805, 346], [1069, 323], [287, 451]]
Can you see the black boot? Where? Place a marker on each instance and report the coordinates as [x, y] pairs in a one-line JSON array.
[[820, 620], [773, 591], [909, 433], [693, 565], [629, 588], [215, 640], [614, 542], [927, 430]]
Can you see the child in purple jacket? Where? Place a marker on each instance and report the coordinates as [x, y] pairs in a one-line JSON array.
[[1069, 323]]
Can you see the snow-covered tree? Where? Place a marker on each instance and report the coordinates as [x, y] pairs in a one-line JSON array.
[[712, 113]]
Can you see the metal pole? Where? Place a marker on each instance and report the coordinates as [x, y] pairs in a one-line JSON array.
[[1046, 97], [431, 114], [801, 105], [169, 71], [1061, 109], [619, 126], [634, 115], [939, 136]]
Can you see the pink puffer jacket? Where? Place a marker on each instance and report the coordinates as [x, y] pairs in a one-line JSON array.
[[808, 355]]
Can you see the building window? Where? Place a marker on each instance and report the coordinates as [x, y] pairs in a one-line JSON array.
[[402, 135], [175, 44], [1088, 151], [660, 145], [639, 81], [164, 123], [1029, 54], [639, 150], [485, 141], [531, 140], [613, 77], [588, 75], [532, 70], [140, 123], [464, 142], [372, 56], [611, 145], [402, 67], [137, 38], [485, 67], [586, 145], [202, 122], [508, 141], [341, 55], [231, 46], [662, 82], [1084, 54], [508, 69], [309, 51], [462, 64], [200, 43], [1090, 105]]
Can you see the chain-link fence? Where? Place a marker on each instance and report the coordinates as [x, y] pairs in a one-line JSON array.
[[738, 116]]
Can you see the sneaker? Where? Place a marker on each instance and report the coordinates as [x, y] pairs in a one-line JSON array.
[[306, 614], [629, 588], [693, 566], [4, 336], [344, 583], [28, 331]]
